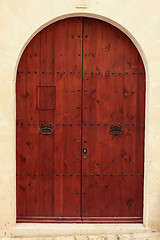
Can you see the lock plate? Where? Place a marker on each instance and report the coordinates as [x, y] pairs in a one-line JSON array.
[[84, 150]]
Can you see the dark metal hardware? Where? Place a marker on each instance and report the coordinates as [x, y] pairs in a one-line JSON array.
[[115, 130], [84, 192], [46, 130], [85, 107], [84, 150], [84, 157]]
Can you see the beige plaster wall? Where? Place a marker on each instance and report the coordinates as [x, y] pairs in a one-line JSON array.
[[22, 19]]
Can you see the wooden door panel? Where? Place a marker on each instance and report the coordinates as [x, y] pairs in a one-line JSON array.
[[113, 165], [48, 94]]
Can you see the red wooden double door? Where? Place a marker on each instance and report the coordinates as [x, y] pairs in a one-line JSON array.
[[80, 125]]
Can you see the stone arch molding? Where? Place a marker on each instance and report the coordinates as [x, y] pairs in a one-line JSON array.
[[144, 59]]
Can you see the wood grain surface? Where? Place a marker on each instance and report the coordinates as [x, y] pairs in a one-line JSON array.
[[77, 79]]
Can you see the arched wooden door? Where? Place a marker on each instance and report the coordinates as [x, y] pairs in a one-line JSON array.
[[80, 125]]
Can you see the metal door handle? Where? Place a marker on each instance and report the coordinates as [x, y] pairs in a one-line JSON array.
[[115, 130], [46, 130]]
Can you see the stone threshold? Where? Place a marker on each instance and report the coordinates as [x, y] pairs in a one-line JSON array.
[[75, 229], [130, 236]]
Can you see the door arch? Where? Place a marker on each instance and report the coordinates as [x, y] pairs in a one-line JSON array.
[[80, 125]]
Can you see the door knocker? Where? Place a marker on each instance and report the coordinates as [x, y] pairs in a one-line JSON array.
[[46, 130], [115, 130]]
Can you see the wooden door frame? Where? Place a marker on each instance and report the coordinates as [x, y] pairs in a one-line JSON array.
[[142, 54]]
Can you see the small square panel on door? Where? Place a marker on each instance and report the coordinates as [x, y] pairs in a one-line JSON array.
[[46, 97]]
